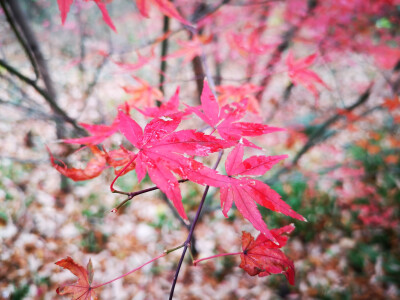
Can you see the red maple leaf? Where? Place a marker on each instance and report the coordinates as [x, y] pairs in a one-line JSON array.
[[141, 61], [81, 289], [64, 7], [190, 49], [392, 104], [161, 153], [93, 169], [299, 74], [262, 257], [166, 108], [144, 94], [98, 132], [115, 158], [165, 6], [250, 43], [224, 119], [106, 17], [237, 93], [245, 192]]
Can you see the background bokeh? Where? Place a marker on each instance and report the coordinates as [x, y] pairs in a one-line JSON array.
[[342, 138]]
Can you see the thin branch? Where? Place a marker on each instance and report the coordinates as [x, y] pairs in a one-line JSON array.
[[192, 227], [319, 134], [20, 39], [50, 95], [214, 256], [164, 51], [27, 109], [130, 272], [134, 194], [43, 93]]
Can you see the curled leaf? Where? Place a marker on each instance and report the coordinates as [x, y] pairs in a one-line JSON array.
[[262, 257], [81, 289], [93, 169]]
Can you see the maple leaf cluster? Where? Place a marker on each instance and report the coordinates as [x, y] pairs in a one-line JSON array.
[[165, 153]]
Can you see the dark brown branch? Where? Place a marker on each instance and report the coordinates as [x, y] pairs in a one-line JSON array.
[[48, 93], [207, 11], [60, 112], [191, 232], [164, 52], [32, 43], [20, 39]]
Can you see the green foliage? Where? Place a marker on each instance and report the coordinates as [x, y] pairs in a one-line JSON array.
[[20, 292]]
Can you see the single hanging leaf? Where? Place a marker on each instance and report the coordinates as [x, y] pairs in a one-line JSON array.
[[82, 288], [93, 169], [262, 257], [245, 191], [190, 49], [299, 74], [64, 6]]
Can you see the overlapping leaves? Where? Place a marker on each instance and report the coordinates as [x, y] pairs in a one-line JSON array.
[[262, 257], [161, 153]]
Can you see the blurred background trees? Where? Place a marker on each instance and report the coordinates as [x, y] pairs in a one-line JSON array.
[[328, 71]]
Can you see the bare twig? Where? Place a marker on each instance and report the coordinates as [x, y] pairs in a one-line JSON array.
[[20, 39], [191, 232], [319, 134], [164, 51], [59, 111]]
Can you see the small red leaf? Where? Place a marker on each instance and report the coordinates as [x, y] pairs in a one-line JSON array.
[[93, 169], [299, 74], [165, 6], [82, 288], [106, 16], [262, 257], [64, 6]]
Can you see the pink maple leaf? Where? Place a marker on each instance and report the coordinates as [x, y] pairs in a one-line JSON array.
[[299, 74], [245, 192]]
